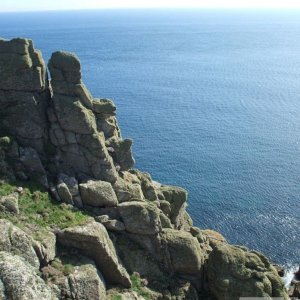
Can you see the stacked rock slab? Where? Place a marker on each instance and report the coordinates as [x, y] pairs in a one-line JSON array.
[[80, 146], [24, 93]]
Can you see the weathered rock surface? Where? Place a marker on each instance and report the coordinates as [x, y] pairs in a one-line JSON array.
[[68, 190], [98, 193], [140, 217], [23, 92], [20, 280], [22, 67], [56, 133], [44, 245], [184, 251], [177, 198], [235, 272], [93, 240], [75, 278], [16, 241], [80, 125], [10, 203], [128, 188]]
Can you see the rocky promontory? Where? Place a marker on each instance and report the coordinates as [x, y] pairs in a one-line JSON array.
[[78, 221]]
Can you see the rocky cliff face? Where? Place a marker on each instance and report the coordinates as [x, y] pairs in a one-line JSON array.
[[110, 231]]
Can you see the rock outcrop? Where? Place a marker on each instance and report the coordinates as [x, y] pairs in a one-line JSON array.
[[235, 272], [123, 235], [93, 240], [20, 280], [75, 278], [16, 241]]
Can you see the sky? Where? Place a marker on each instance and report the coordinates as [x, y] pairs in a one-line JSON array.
[[37, 5]]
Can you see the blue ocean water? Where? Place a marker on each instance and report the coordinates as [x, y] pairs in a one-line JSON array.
[[212, 101]]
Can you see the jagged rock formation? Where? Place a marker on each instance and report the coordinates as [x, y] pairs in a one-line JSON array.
[[56, 133]]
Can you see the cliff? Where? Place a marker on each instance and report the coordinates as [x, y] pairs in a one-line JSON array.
[[78, 221]]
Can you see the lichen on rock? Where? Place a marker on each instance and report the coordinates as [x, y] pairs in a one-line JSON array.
[[131, 236]]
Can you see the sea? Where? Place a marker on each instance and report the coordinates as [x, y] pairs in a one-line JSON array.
[[211, 99]]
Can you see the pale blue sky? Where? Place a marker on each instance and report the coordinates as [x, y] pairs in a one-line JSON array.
[[31, 5]]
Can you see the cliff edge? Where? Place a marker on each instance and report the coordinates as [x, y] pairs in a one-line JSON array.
[[78, 221]]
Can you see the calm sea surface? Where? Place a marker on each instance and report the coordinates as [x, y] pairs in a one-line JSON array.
[[212, 101]]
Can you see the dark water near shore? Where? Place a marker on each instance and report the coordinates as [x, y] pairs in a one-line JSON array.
[[212, 101]]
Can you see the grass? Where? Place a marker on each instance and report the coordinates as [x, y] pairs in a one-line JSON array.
[[138, 287], [66, 269], [117, 297], [37, 207]]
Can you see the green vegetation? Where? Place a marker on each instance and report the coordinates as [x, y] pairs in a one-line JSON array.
[[117, 297], [138, 287], [37, 207], [66, 269]]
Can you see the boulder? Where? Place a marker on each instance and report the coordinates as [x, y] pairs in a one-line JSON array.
[[87, 283], [20, 279], [68, 190], [110, 224], [93, 240], [75, 277], [16, 241], [98, 193], [136, 259], [128, 189], [213, 237], [64, 193], [147, 185], [122, 153], [104, 106], [114, 225], [235, 272], [177, 198], [140, 217], [10, 203], [184, 251]]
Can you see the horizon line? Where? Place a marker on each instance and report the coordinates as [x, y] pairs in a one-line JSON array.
[[257, 8]]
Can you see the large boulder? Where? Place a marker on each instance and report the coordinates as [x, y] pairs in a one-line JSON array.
[[75, 277], [140, 217], [68, 190], [98, 193], [20, 280], [183, 250], [93, 240], [235, 272], [16, 241]]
